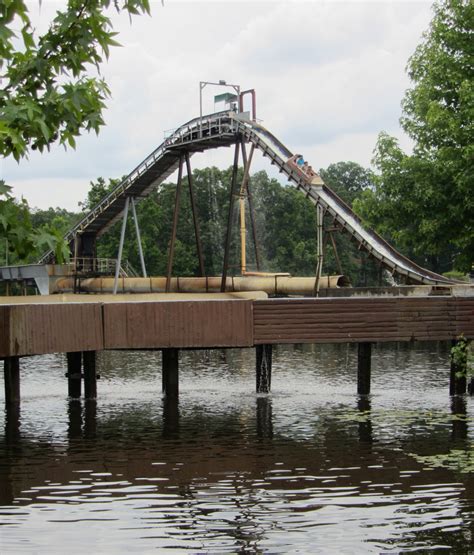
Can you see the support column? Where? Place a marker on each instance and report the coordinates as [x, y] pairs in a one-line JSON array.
[[245, 187], [170, 372], [197, 232], [139, 238], [90, 374], [264, 368], [457, 376], [12, 380], [319, 247], [233, 192], [74, 362], [122, 239], [364, 357], [175, 226]]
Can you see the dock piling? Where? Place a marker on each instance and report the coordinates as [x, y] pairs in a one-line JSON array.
[[74, 364], [90, 374], [170, 372], [264, 368], [364, 361], [12, 379], [457, 375]]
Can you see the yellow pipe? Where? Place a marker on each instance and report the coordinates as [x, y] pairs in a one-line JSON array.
[[243, 251], [273, 285]]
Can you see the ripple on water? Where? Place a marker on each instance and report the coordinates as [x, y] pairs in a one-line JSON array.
[[311, 468]]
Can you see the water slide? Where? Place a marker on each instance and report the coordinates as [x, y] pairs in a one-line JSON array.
[[224, 129]]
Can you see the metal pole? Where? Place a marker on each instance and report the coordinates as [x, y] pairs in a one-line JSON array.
[[243, 234], [175, 225], [195, 220], [319, 247], [139, 239], [246, 186], [122, 238], [336, 254], [229, 217], [201, 86]]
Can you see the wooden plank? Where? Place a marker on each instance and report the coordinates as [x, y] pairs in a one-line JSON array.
[[368, 319], [34, 329], [178, 324]]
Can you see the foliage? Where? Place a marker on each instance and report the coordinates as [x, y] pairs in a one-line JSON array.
[[463, 357], [16, 231], [21, 239], [424, 201], [459, 460], [47, 92], [460, 276]]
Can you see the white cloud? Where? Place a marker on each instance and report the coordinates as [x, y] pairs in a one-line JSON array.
[[329, 76]]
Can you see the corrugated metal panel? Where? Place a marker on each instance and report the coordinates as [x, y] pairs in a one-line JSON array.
[[40, 329], [181, 324], [356, 319]]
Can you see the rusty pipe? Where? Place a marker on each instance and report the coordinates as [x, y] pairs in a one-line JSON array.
[[273, 285]]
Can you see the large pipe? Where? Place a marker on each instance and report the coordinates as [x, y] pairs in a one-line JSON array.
[[273, 285]]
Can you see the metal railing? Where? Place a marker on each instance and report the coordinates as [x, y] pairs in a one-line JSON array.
[[87, 266]]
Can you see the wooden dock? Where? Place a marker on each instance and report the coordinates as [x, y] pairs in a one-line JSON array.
[[81, 325]]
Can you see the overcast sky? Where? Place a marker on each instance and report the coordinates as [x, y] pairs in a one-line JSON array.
[[329, 77]]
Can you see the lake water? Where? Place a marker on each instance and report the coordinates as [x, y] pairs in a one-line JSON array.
[[311, 468]]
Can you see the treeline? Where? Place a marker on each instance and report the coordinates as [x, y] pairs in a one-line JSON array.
[[285, 222]]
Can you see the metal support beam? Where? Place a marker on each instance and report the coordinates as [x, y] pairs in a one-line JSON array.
[[233, 192], [319, 247], [175, 225], [264, 368], [170, 372], [74, 367], [139, 239], [197, 233], [12, 380], [246, 188], [90, 374], [364, 360], [122, 239], [336, 254]]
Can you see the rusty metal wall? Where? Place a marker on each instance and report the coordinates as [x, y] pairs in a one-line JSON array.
[[49, 328], [362, 319], [27, 329], [180, 324]]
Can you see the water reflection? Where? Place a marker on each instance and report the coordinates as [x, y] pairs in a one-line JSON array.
[[365, 422], [310, 468]]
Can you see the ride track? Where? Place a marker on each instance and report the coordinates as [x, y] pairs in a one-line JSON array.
[[225, 129]]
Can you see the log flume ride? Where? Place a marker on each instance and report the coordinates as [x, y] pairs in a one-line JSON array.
[[225, 129]]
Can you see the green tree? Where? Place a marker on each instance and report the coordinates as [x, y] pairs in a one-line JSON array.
[[425, 201], [47, 92]]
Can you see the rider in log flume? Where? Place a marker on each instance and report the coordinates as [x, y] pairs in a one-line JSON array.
[[297, 161]]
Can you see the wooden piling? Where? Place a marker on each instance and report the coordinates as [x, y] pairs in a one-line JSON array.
[[264, 368], [74, 367], [264, 417], [364, 360], [90, 374], [459, 430], [457, 375], [12, 380], [170, 372]]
